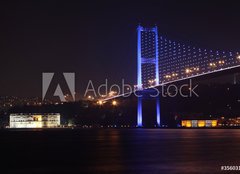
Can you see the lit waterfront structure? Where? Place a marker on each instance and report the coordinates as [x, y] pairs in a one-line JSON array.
[[199, 123], [24, 120], [229, 122]]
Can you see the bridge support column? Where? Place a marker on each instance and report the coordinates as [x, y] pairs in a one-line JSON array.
[[145, 57], [139, 112], [158, 111]]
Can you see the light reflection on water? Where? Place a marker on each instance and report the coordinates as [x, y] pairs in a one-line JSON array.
[[121, 150]]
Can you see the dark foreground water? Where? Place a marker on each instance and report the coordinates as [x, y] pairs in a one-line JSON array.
[[149, 151]]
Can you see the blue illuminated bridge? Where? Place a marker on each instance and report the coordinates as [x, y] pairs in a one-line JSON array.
[[161, 61]]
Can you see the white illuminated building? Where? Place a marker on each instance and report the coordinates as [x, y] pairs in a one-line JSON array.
[[24, 120]]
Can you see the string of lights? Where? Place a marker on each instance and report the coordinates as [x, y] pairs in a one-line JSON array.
[[177, 61]]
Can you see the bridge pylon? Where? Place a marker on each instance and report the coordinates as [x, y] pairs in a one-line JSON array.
[[147, 67]]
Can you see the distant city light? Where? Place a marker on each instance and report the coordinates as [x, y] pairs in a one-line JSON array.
[[100, 102], [90, 97], [114, 103], [112, 93]]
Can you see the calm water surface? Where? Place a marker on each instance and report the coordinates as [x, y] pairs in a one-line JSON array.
[[149, 151]]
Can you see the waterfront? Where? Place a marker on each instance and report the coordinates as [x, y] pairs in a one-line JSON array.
[[119, 150]]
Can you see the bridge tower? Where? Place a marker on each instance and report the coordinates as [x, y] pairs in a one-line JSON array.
[[147, 67]]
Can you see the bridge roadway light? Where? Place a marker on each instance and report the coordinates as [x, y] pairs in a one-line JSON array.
[[221, 62], [238, 57], [167, 76], [196, 69], [187, 70], [174, 74], [212, 64]]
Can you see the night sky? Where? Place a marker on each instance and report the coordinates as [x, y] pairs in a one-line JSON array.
[[97, 39]]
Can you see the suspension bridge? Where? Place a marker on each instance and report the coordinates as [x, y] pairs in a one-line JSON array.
[[161, 61]]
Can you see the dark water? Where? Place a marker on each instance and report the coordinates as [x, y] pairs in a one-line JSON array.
[[150, 151]]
